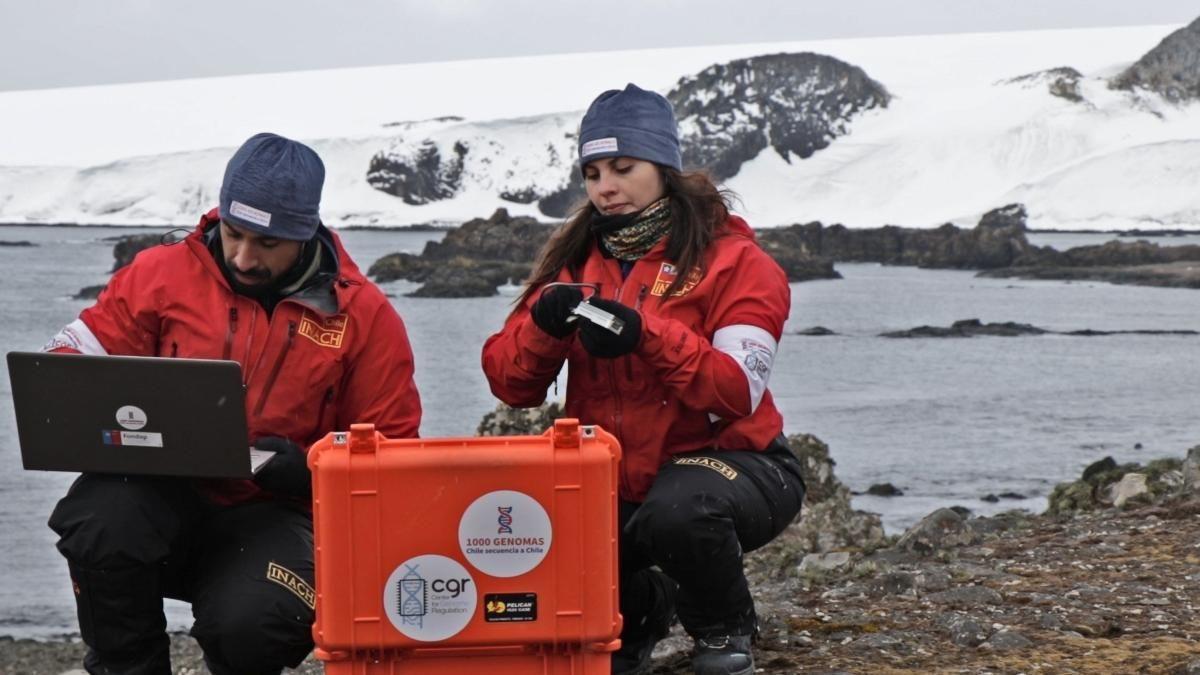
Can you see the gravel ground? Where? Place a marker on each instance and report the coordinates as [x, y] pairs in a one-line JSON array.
[[1113, 591]]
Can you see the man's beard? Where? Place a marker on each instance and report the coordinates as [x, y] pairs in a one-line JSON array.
[[263, 288]]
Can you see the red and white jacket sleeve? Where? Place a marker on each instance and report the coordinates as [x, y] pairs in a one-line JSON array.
[[522, 361], [726, 375], [124, 320]]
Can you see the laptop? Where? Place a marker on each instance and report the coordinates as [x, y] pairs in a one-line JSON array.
[[132, 415]]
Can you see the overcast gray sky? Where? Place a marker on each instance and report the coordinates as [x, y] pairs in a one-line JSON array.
[[59, 43]]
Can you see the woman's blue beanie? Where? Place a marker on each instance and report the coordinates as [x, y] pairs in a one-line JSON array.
[[631, 122], [273, 187]]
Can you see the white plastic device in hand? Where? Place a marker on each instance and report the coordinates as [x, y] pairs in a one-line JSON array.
[[599, 317]]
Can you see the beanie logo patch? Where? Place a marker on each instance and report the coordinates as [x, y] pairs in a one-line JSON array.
[[599, 145], [250, 214]]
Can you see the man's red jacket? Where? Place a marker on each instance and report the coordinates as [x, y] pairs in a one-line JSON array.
[[330, 355]]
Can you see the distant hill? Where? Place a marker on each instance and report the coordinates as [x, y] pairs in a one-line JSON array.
[[1090, 129]]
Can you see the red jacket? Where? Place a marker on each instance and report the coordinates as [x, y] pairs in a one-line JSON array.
[[331, 355], [696, 380]]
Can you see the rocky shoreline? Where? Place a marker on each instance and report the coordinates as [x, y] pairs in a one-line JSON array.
[[483, 254], [1107, 580]]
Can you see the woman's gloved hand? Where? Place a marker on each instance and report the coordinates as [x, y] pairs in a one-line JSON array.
[[553, 308], [287, 474], [602, 342]]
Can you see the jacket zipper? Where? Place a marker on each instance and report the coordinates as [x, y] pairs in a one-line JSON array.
[[641, 297], [617, 412], [325, 400], [229, 334], [262, 398], [174, 349]]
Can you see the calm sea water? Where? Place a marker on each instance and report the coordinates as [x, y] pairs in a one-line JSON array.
[[946, 421]]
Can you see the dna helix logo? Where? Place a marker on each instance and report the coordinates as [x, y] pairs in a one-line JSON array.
[[505, 520], [412, 597]]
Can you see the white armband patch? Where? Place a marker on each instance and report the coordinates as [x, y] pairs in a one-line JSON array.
[[76, 335], [754, 350]]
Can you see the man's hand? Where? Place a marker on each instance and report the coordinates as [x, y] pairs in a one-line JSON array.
[[602, 342], [553, 308], [287, 473]]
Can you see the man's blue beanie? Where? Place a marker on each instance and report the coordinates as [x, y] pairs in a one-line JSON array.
[[272, 187], [630, 123]]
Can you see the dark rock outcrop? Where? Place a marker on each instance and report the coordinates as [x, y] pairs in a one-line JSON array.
[[89, 292], [472, 260], [885, 490], [968, 328], [974, 327], [125, 248], [484, 253], [795, 104], [506, 420], [1106, 483], [1171, 69], [17, 243], [499, 237], [128, 246], [998, 241], [790, 251], [937, 531], [1132, 262], [815, 331], [428, 178], [1062, 82]]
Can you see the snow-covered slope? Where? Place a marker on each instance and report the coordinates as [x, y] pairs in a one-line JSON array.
[[962, 133]]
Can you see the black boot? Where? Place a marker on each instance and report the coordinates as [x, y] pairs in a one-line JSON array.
[[723, 655], [639, 636]]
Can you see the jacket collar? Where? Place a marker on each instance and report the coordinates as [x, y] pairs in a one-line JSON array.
[[327, 293]]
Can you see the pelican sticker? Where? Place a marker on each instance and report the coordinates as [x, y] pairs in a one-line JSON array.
[[509, 607]]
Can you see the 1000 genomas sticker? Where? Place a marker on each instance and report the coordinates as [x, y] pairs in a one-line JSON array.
[[505, 533]]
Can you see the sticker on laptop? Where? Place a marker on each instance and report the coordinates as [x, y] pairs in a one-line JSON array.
[[138, 439], [131, 417], [505, 533], [430, 598]]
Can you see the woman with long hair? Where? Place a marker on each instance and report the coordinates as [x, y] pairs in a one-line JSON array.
[[675, 364]]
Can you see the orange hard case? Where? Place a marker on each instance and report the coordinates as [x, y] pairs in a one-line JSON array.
[[379, 502]]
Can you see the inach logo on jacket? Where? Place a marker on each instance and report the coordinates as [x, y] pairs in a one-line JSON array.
[[708, 463], [327, 332], [666, 277], [291, 581]]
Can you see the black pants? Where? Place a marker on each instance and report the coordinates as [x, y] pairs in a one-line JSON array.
[[247, 570], [703, 512]]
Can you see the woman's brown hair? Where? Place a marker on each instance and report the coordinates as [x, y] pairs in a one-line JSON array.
[[698, 211]]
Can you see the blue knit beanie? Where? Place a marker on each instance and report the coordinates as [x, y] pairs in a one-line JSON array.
[[630, 123], [272, 187]]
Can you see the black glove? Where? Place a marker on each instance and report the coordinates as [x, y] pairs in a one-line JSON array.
[[287, 473], [602, 342], [552, 310]]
